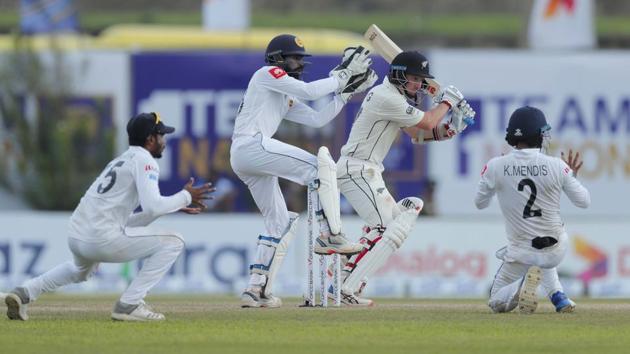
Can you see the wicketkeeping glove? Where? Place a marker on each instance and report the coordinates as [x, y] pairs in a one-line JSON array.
[[355, 61], [358, 84]]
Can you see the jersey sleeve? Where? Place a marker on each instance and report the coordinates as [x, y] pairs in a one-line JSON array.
[[276, 79], [486, 188], [577, 193], [303, 114], [154, 205], [402, 112]]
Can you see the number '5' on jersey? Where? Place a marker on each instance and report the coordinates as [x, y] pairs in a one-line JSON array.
[[129, 181]]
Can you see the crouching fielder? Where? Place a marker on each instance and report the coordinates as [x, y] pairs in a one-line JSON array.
[[275, 92], [528, 184], [386, 110], [103, 228]]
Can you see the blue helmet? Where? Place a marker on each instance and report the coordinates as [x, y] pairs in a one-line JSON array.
[[283, 45], [529, 125]]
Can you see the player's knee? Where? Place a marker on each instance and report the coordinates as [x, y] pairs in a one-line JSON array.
[[496, 306], [174, 242], [82, 274], [500, 306], [410, 203], [398, 230], [406, 204]]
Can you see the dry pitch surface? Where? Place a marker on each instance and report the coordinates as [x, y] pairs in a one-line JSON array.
[[198, 324]]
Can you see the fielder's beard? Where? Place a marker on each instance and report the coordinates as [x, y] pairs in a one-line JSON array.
[[158, 154], [296, 73]]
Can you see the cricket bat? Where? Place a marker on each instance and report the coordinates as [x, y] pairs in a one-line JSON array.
[[386, 48]]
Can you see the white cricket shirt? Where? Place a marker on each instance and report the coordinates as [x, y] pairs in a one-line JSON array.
[[128, 181], [383, 113], [273, 95], [528, 185]]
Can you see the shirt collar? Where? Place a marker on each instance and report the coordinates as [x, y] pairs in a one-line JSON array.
[[528, 151], [140, 150]]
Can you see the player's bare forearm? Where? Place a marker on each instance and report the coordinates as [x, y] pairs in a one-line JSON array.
[[433, 117], [440, 133], [412, 131], [415, 132]]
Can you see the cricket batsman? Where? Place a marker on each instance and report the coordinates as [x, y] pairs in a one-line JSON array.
[[386, 110]]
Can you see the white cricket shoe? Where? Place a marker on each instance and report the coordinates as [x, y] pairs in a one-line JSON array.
[[16, 302], [355, 301], [330, 244], [527, 301], [252, 298], [352, 300], [140, 312]]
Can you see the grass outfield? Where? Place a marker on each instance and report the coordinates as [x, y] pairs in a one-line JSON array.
[[196, 324]]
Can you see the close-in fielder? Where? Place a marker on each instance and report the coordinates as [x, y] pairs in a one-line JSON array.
[[104, 227], [388, 108], [528, 184], [275, 92]]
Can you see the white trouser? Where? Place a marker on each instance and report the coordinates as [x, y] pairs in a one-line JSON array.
[[548, 257], [507, 281], [516, 262], [259, 161], [160, 247], [364, 188]]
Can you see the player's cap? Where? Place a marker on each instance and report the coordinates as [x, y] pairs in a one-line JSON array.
[[285, 44], [411, 63], [144, 124]]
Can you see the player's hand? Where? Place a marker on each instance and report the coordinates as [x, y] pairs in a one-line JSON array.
[[191, 211], [574, 162], [358, 84], [356, 59], [451, 96], [462, 116], [355, 63], [198, 194]]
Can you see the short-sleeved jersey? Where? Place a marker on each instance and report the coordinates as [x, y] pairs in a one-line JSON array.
[[271, 94], [528, 185], [383, 113], [128, 181]]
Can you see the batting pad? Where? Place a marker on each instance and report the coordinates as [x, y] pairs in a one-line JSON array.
[[328, 191], [393, 237]]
